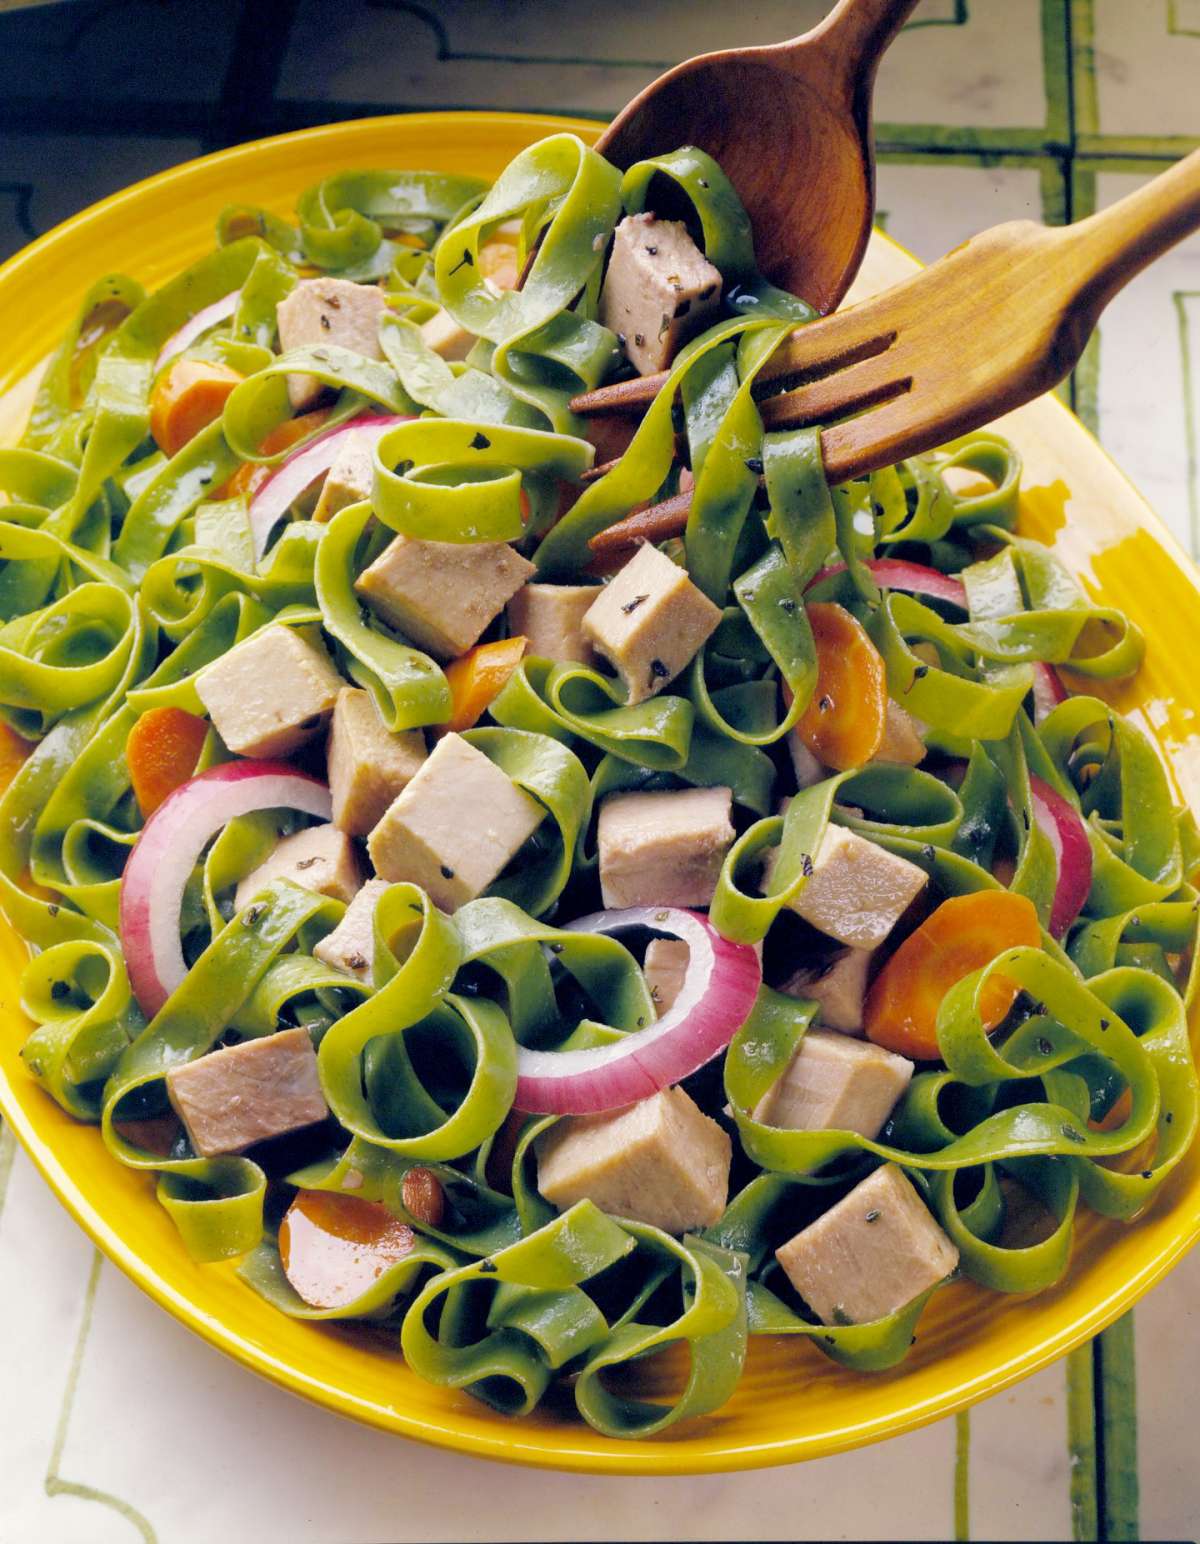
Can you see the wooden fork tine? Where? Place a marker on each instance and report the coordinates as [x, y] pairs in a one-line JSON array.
[[859, 386]]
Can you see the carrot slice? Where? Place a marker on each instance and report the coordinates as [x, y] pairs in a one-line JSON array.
[[187, 397], [251, 475], [499, 259], [13, 751], [843, 724], [478, 677], [334, 1247], [964, 934], [161, 751]]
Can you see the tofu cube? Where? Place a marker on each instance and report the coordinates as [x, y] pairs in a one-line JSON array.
[[246, 1093], [350, 478], [836, 1084], [319, 858], [840, 988], [445, 337], [869, 1255], [664, 967], [368, 765], [270, 694], [661, 1161], [649, 621], [328, 311], [663, 849], [351, 946], [455, 826], [858, 891], [551, 617], [902, 740], [659, 290], [442, 594]]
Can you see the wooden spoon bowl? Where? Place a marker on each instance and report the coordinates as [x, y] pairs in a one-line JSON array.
[[790, 125]]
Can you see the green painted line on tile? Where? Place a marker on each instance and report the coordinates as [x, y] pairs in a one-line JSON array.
[[941, 136], [1148, 147], [957, 18], [1175, 27], [1191, 418], [1084, 106], [1081, 1443], [1085, 379], [447, 53], [1116, 1388], [1056, 70], [933, 155], [962, 1477], [8, 1151], [55, 1484]]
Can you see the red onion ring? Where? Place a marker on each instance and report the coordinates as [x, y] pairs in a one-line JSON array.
[[718, 992], [304, 466], [169, 848], [1064, 827], [897, 574], [219, 311], [1048, 690]]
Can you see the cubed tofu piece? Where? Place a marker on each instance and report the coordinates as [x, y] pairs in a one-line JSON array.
[[648, 622], [270, 694], [351, 946], [319, 858], [246, 1093], [368, 765], [834, 1083], [551, 617], [858, 891], [665, 966], [455, 826], [328, 311], [869, 1255], [445, 337], [350, 478], [659, 290], [902, 740], [661, 1161], [442, 594], [840, 987], [663, 849]]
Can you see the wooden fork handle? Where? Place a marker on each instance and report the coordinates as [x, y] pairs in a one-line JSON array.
[[1114, 245]]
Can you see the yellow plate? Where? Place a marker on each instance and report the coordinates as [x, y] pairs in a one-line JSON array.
[[792, 1403]]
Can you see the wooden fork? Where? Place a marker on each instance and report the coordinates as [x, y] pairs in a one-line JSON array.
[[994, 323]]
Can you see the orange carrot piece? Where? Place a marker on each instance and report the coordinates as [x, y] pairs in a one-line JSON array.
[[843, 724], [188, 396], [251, 475], [162, 751], [963, 935], [13, 751], [499, 259], [478, 677], [333, 1247]]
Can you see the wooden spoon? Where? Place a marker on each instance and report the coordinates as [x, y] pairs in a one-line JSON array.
[[991, 325], [790, 125]]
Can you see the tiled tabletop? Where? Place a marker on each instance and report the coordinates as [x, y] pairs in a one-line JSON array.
[[115, 1422]]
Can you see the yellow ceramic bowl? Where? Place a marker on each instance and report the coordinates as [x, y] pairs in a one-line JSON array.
[[792, 1403]]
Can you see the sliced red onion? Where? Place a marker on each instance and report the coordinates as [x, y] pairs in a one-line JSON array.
[[220, 311], [1064, 827], [897, 574], [169, 848], [1048, 690], [303, 467], [714, 1002]]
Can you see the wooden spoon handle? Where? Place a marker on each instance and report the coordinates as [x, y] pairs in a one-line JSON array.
[[853, 38], [1112, 246]]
